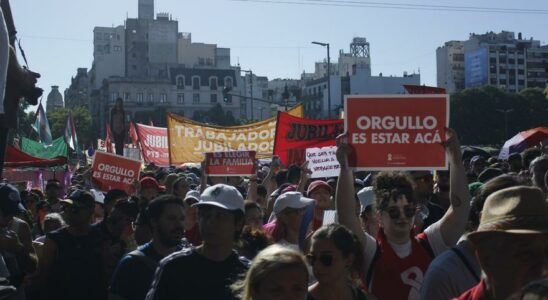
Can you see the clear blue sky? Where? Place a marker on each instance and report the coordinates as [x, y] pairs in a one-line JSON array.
[[271, 39]]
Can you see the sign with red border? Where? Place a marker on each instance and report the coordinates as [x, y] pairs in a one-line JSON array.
[[111, 171], [397, 132], [231, 163]]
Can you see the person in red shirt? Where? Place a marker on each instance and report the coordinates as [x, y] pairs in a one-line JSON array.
[[511, 242], [396, 260], [321, 192]]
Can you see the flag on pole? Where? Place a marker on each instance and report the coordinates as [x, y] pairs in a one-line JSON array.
[[41, 126], [108, 140], [133, 134], [70, 133]]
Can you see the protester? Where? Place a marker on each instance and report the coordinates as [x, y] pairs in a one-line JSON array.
[[511, 242], [276, 273], [396, 260], [133, 276], [253, 215], [515, 163], [537, 171], [189, 273], [192, 230], [368, 210], [149, 189], [288, 209], [16, 252], [53, 190], [118, 126], [528, 156], [477, 164], [71, 267], [456, 271], [336, 258], [180, 187], [321, 192], [252, 241], [430, 212]]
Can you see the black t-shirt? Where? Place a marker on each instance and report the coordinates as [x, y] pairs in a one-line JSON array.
[[188, 275], [133, 276]]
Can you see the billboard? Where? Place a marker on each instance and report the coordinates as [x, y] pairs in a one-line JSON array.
[[475, 67]]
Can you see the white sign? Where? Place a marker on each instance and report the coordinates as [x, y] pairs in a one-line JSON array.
[[323, 162], [329, 217]]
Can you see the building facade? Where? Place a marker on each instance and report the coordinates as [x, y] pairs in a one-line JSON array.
[[54, 100], [450, 66]]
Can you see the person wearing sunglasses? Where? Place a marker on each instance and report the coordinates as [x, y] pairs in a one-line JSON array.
[[336, 258], [396, 260]]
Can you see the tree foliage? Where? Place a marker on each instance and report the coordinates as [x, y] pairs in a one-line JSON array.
[[82, 121], [216, 116], [480, 115]]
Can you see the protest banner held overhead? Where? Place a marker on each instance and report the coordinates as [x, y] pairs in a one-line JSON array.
[[399, 132], [295, 134], [323, 162], [190, 140], [111, 171], [235, 163], [154, 144]]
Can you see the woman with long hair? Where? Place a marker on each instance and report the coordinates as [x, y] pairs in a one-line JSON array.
[[277, 272], [336, 257]]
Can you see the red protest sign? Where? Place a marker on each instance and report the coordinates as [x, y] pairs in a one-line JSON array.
[[233, 163], [154, 144], [111, 171], [294, 135], [400, 132]]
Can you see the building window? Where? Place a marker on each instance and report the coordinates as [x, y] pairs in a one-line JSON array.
[[117, 48], [126, 96], [213, 83], [150, 97], [180, 82], [163, 98], [228, 82], [107, 36], [140, 97], [213, 98], [113, 96], [195, 98], [195, 83], [180, 98]]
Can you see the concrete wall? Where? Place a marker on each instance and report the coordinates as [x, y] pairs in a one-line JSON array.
[[108, 54]]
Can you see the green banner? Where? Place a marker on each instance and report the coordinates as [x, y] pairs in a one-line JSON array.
[[58, 148]]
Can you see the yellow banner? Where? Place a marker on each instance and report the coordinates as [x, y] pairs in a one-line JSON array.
[[189, 140]]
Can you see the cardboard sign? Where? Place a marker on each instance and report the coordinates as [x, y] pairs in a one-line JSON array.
[[234, 163], [294, 135], [400, 132], [154, 144], [111, 171], [323, 162], [329, 217], [190, 140]]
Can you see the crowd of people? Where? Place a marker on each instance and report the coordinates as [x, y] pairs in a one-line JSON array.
[[476, 231]]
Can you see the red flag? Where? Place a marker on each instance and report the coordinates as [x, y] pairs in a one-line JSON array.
[[133, 134], [108, 140]]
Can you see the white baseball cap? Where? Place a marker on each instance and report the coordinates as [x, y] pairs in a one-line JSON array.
[[366, 197], [291, 200], [222, 196], [192, 194]]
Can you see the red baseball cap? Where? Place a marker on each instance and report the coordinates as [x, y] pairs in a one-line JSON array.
[[149, 182], [314, 185]]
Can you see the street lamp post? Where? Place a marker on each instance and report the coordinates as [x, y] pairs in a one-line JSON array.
[[250, 89], [328, 77]]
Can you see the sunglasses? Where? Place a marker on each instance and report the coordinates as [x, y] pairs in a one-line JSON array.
[[325, 259], [395, 213]]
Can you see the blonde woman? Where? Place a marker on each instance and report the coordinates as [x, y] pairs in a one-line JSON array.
[[277, 272]]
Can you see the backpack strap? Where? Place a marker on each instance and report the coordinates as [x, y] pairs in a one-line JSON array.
[[426, 246], [466, 263], [149, 262]]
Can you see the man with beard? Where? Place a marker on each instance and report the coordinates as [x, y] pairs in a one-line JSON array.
[[134, 274]]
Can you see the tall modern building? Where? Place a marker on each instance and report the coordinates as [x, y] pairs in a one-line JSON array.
[[496, 59]]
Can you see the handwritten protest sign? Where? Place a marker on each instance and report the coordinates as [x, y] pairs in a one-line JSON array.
[[323, 162], [111, 171], [401, 132], [233, 163]]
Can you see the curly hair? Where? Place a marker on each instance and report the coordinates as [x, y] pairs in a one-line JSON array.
[[391, 185]]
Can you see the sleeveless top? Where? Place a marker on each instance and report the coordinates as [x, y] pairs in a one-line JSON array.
[[78, 269], [392, 277]]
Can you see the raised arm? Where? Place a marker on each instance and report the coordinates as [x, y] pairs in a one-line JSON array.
[[345, 202], [454, 221]]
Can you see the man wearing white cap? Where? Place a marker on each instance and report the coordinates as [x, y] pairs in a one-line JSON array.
[[369, 222], [207, 271]]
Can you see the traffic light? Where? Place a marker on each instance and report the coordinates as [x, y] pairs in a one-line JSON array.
[[226, 96]]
